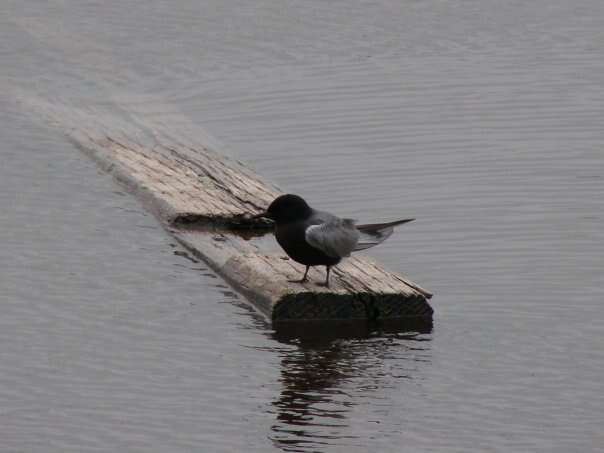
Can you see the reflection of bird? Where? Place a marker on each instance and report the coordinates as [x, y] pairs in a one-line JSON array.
[[326, 373], [317, 238]]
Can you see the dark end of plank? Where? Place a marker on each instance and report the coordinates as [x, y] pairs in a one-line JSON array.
[[307, 305]]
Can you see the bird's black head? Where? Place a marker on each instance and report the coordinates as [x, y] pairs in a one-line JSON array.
[[288, 208]]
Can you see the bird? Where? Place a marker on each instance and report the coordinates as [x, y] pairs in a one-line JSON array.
[[318, 238]]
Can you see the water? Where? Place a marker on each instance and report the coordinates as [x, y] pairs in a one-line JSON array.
[[481, 119]]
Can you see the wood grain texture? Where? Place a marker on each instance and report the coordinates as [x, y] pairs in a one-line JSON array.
[[205, 198]]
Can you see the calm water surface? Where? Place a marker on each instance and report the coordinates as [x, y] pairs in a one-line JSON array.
[[482, 119]]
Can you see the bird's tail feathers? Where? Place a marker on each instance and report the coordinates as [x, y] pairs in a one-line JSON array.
[[373, 234]]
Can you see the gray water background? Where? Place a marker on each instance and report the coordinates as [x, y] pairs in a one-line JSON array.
[[482, 119]]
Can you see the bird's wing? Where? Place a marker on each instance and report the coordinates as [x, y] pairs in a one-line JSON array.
[[373, 234], [336, 237]]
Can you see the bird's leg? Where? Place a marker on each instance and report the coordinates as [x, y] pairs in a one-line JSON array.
[[304, 279], [326, 284]]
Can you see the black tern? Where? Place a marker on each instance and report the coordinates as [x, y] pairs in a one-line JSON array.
[[318, 238]]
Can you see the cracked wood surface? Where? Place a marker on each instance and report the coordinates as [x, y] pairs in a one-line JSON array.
[[203, 196]]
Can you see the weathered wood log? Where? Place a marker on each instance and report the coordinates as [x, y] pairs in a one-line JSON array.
[[360, 289], [205, 198]]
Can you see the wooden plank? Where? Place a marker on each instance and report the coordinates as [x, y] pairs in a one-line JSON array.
[[205, 198], [360, 288]]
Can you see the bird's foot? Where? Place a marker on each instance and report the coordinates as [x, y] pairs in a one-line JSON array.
[[323, 284]]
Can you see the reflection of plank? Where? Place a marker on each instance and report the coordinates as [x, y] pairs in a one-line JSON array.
[[204, 197]]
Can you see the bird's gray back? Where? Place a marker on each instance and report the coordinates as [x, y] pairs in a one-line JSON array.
[[321, 217], [332, 235]]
